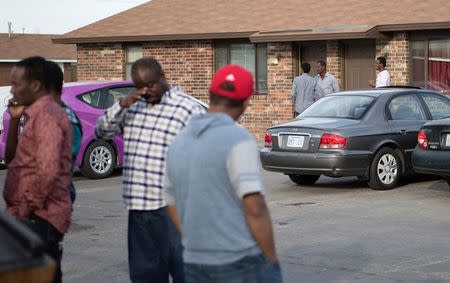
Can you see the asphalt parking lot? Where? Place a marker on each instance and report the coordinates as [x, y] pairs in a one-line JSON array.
[[336, 231]]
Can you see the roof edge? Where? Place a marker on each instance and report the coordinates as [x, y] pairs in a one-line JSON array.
[[262, 36], [373, 32], [415, 26], [49, 59], [193, 36]]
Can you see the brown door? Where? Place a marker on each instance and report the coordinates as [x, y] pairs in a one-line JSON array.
[[310, 52], [359, 64]]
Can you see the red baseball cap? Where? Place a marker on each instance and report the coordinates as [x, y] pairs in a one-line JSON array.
[[233, 81]]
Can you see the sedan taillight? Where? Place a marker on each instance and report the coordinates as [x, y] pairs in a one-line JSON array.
[[332, 141], [268, 139], [422, 140]]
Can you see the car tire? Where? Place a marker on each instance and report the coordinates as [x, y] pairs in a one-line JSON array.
[[385, 169], [448, 181], [304, 180], [99, 160]]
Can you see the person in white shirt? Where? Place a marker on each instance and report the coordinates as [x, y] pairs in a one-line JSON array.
[[326, 80], [383, 77]]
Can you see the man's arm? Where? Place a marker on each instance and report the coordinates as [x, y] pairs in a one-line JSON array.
[[335, 85], [15, 113], [12, 139], [173, 215], [171, 208], [294, 91], [110, 124], [244, 171], [260, 224]]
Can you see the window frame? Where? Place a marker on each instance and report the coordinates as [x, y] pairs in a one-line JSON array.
[[221, 45], [418, 99], [129, 63], [422, 96], [425, 37]]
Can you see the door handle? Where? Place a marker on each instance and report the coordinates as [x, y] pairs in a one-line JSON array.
[[403, 132]]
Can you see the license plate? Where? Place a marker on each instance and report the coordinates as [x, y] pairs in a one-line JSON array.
[[447, 140], [295, 141]]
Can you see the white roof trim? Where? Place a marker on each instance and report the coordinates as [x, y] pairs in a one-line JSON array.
[[54, 60]]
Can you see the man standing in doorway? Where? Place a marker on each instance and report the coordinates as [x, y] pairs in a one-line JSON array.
[[39, 171], [305, 90], [214, 180], [326, 81], [383, 77], [149, 118]]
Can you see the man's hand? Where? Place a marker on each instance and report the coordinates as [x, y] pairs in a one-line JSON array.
[[133, 96], [15, 110], [372, 83]]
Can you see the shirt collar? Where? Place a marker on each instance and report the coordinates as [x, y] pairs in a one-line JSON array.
[[38, 106]]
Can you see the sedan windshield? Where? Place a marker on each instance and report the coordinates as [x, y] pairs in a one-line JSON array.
[[339, 106]]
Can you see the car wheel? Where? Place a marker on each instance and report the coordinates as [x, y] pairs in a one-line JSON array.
[[304, 179], [385, 169], [99, 160], [448, 181]]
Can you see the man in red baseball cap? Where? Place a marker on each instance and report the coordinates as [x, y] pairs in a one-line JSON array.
[[215, 190]]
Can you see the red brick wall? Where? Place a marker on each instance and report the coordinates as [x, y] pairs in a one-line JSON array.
[[335, 60], [100, 61], [266, 110], [398, 57], [189, 64]]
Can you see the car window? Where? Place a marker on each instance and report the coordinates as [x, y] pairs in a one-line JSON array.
[[438, 106], [406, 107], [92, 98], [114, 94], [339, 106]]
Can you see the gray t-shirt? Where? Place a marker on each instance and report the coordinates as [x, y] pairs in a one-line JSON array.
[[211, 165]]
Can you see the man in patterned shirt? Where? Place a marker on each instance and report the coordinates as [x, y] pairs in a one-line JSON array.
[[149, 118]]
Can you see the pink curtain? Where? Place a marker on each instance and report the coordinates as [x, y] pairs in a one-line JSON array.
[[439, 75]]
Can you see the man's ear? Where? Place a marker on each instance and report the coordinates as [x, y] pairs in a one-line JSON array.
[[246, 102], [36, 86]]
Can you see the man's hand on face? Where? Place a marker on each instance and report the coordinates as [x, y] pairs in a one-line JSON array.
[[14, 109], [133, 96]]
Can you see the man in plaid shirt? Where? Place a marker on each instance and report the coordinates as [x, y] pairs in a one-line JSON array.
[[149, 118]]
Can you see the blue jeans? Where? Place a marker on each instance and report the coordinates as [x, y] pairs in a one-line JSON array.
[[154, 247], [250, 269]]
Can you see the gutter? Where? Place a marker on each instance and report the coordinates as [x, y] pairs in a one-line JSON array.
[[268, 36]]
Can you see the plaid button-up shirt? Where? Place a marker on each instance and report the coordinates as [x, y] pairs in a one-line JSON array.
[[148, 131]]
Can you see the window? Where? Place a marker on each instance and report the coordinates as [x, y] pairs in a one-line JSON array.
[[430, 64], [133, 53], [253, 57], [114, 94], [93, 98], [339, 106], [406, 107], [438, 106]]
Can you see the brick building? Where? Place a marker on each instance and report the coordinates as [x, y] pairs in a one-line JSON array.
[[271, 38], [15, 47]]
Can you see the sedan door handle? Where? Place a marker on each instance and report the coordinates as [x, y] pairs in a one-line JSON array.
[[403, 132]]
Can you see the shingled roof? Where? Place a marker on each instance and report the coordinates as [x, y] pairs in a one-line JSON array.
[[263, 20], [20, 46]]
